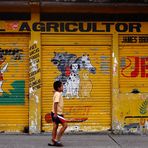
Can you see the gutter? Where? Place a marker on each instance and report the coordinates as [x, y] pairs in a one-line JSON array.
[[74, 7]]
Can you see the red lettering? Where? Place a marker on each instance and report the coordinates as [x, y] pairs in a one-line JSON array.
[[142, 67], [136, 70], [139, 62], [146, 67]]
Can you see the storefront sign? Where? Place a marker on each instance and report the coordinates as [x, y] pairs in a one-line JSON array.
[[135, 39], [60, 27], [80, 27]]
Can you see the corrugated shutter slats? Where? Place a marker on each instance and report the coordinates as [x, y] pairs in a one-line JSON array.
[[94, 98], [14, 98]]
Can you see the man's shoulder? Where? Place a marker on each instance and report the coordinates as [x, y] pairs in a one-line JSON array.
[[57, 94]]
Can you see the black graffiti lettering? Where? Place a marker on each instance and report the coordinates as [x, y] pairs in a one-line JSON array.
[[34, 73], [25, 27], [71, 27], [32, 79], [34, 66], [34, 51], [35, 82], [33, 46], [36, 60], [52, 26], [37, 87], [84, 28], [7, 52], [16, 51], [35, 56], [17, 57], [134, 26], [10, 51], [38, 27]]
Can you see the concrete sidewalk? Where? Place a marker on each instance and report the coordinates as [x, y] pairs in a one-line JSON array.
[[75, 141]]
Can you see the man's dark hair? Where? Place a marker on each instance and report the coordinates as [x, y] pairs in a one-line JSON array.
[[56, 85]]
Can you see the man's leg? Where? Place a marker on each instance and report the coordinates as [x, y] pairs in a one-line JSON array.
[[54, 130], [62, 130]]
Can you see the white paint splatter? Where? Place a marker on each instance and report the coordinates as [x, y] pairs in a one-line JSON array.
[[36, 98], [113, 55], [115, 66], [34, 66], [33, 127], [31, 90], [1, 76], [35, 42]]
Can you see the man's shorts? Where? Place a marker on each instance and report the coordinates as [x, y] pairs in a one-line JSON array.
[[59, 119]]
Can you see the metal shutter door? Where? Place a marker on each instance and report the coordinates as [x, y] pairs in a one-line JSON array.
[[91, 109], [133, 66], [14, 79]]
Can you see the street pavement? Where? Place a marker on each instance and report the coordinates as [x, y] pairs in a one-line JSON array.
[[74, 141]]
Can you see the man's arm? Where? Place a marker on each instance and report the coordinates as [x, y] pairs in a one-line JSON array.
[[55, 109]]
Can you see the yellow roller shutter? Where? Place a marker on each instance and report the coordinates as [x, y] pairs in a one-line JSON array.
[[133, 65], [131, 105], [14, 82], [83, 64]]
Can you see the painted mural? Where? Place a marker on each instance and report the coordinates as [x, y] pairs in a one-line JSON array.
[[132, 114], [2, 70], [12, 87], [86, 101], [136, 64], [69, 65], [132, 97]]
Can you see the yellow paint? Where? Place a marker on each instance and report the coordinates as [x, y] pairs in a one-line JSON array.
[[105, 98], [35, 81], [13, 113], [131, 102], [132, 68], [115, 77], [128, 110]]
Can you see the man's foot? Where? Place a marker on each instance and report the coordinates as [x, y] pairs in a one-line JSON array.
[[50, 144], [53, 141], [59, 144]]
